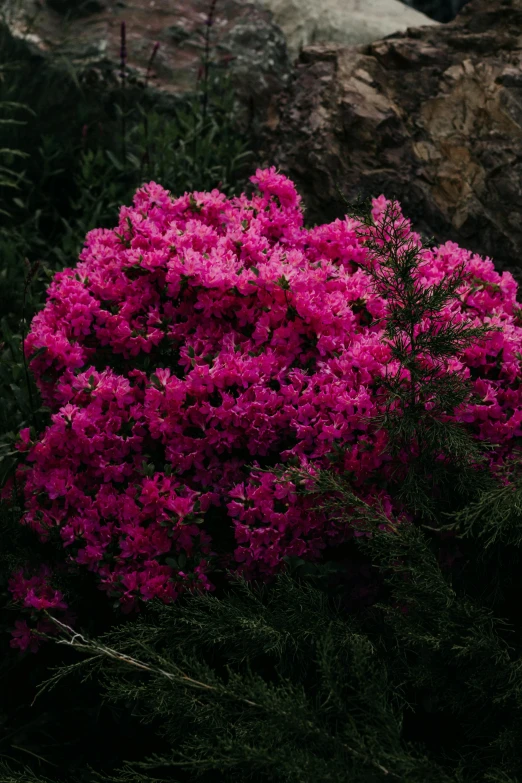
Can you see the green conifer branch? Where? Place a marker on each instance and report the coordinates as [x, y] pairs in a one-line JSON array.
[[423, 393], [346, 724]]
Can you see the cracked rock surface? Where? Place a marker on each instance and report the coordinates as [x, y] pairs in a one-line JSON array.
[[432, 115], [348, 22]]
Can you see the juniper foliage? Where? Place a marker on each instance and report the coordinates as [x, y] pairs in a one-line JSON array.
[[432, 452], [268, 684]]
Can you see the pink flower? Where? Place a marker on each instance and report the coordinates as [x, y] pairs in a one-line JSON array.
[[23, 638]]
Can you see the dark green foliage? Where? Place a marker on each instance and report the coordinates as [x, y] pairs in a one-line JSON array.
[[267, 684]]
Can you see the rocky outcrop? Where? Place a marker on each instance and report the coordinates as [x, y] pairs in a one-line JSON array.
[[440, 10], [349, 22], [86, 34], [432, 116]]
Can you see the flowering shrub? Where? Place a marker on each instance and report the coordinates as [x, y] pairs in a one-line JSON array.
[[206, 337]]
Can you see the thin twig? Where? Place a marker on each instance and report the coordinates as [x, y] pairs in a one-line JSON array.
[[89, 646], [206, 60], [41, 758], [146, 157], [123, 62], [28, 280]]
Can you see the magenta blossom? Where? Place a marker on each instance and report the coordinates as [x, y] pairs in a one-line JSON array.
[[204, 338]]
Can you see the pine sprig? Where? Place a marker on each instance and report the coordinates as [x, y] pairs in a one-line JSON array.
[[7, 775], [494, 517], [422, 394]]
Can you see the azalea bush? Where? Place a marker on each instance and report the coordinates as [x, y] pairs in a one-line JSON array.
[[208, 344]]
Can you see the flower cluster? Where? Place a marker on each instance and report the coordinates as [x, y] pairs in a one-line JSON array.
[[35, 594], [207, 338]]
